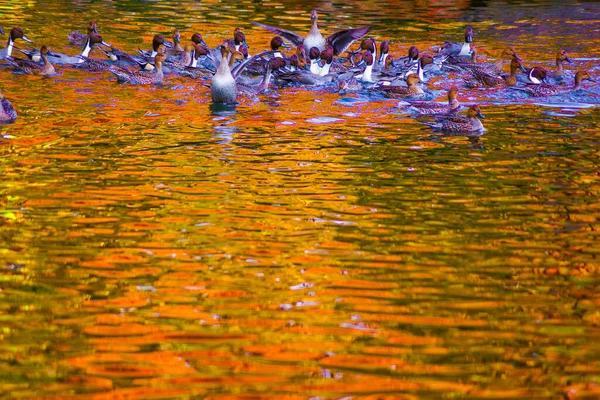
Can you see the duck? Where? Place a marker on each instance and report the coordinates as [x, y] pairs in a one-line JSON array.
[[384, 52], [542, 90], [157, 41], [399, 92], [7, 111], [140, 78], [536, 75], [197, 39], [185, 60], [561, 57], [239, 39], [32, 68], [177, 49], [459, 49], [311, 78], [273, 64], [432, 107], [458, 123], [259, 66], [492, 68], [340, 40], [15, 33], [419, 67], [411, 58], [488, 80], [80, 38], [203, 58], [58, 58], [223, 88]]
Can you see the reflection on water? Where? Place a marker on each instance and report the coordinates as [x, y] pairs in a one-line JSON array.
[[308, 244]]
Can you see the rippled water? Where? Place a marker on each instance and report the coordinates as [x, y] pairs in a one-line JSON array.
[[305, 243]]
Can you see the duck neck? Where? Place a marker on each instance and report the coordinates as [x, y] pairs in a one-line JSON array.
[[86, 49], [325, 69], [314, 67], [559, 67], [577, 84], [224, 69], [382, 58], [453, 104], [277, 54], [420, 72], [367, 75], [187, 58], [532, 78], [465, 50], [9, 46]]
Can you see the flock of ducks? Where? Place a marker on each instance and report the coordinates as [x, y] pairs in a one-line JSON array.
[[315, 62]]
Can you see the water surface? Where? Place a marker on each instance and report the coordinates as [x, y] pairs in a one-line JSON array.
[[303, 244]]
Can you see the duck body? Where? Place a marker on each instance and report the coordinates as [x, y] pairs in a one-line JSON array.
[[455, 123], [78, 38], [15, 33], [482, 79], [455, 49], [401, 92]]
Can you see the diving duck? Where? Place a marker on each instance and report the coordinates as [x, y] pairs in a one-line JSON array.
[[340, 40]]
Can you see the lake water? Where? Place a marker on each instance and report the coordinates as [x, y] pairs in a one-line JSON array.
[[305, 244]]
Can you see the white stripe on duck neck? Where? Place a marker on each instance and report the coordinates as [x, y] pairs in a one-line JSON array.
[[465, 50], [533, 79], [366, 76], [86, 50], [153, 54], [325, 69], [314, 67], [383, 57], [277, 55], [9, 46]]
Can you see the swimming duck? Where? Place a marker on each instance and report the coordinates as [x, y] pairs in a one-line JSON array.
[[197, 39], [7, 111], [259, 66], [239, 39], [488, 80], [536, 75], [493, 68], [177, 49], [313, 77], [455, 123], [384, 50], [141, 78], [203, 58], [15, 33], [419, 67], [80, 38], [184, 61], [561, 57], [33, 68], [411, 58], [400, 92], [58, 58], [340, 40], [431, 107], [551, 90], [157, 41], [459, 49]]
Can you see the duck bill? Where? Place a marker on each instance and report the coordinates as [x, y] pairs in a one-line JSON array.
[[203, 43], [246, 44], [516, 57], [591, 79], [95, 29], [103, 43], [480, 115], [522, 68], [285, 46], [567, 59], [53, 54], [25, 38]]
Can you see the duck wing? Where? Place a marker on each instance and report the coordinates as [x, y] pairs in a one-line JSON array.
[[238, 69], [292, 37], [341, 40]]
